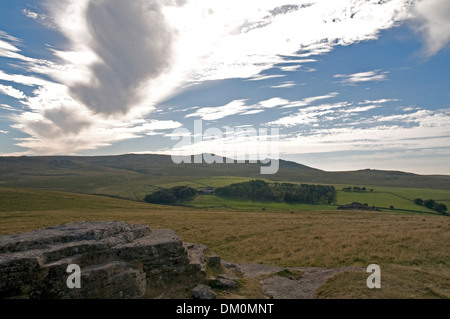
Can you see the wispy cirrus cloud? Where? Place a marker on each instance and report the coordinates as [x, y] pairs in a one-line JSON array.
[[310, 100], [308, 115], [215, 113], [380, 101], [260, 77], [239, 107], [287, 84], [362, 77], [337, 114], [7, 107], [8, 45]]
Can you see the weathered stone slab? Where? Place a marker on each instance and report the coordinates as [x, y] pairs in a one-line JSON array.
[[117, 260]]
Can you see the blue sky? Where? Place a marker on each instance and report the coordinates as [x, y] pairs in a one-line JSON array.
[[348, 84]]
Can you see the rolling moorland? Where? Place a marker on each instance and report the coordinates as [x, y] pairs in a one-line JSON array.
[[411, 247]]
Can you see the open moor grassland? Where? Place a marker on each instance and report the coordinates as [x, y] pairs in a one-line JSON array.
[[411, 249]]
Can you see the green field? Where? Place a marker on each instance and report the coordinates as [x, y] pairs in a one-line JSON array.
[[216, 181], [402, 199], [215, 202]]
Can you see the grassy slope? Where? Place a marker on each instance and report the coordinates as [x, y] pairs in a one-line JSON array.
[[412, 249]]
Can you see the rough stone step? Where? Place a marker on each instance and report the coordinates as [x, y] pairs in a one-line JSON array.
[[78, 231], [196, 255]]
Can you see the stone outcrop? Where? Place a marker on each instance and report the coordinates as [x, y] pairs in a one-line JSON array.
[[117, 260], [121, 261], [224, 282], [203, 292]]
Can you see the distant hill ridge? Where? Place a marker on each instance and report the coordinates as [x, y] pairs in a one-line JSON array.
[[129, 175]]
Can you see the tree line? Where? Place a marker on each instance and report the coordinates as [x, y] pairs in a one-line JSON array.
[[431, 204], [172, 195], [279, 192]]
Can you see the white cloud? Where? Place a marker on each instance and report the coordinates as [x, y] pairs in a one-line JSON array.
[[241, 40], [310, 100], [30, 14], [24, 79], [68, 131], [361, 109], [264, 77], [273, 102], [7, 37], [3, 132], [9, 48], [406, 118], [6, 107], [252, 112], [239, 107], [308, 115], [287, 84], [290, 68], [236, 107], [120, 52], [155, 125], [8, 45], [434, 23], [380, 101], [362, 77], [325, 113], [215, 113], [9, 90], [58, 124]]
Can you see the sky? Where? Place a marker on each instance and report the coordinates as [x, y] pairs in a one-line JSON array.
[[337, 84]]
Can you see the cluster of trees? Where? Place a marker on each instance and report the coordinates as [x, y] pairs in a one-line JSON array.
[[431, 204], [171, 196], [279, 192], [356, 189]]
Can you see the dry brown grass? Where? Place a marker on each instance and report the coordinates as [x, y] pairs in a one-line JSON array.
[[308, 238], [397, 282]]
